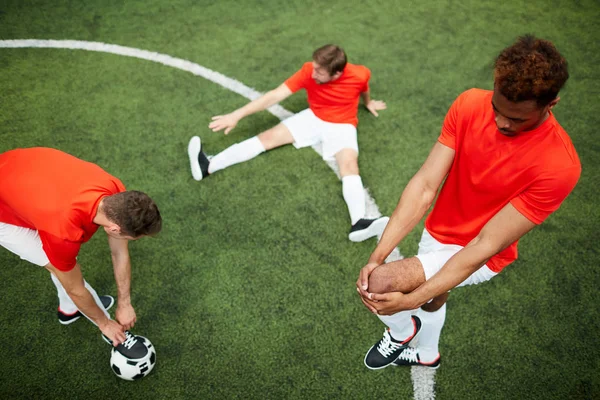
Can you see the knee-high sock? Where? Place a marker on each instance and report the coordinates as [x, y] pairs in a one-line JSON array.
[[429, 338], [65, 303], [354, 195], [400, 324], [236, 154]]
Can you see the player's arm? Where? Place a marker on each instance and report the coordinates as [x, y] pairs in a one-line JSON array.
[[416, 199], [372, 105], [507, 226], [229, 121], [119, 251], [72, 282]]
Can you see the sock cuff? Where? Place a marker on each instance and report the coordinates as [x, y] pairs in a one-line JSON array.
[[255, 144], [352, 179]]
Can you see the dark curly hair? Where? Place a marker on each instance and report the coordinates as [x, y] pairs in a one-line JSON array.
[[530, 69], [135, 213]]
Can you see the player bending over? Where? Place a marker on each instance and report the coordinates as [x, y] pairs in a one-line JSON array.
[[50, 204]]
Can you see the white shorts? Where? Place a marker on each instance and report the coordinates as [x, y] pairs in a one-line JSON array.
[[433, 255], [24, 242], [308, 130]]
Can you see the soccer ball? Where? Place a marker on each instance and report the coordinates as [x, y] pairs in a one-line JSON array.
[[131, 370]]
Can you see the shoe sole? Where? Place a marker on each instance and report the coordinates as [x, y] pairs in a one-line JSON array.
[[375, 229], [194, 147], [112, 302], [417, 365]]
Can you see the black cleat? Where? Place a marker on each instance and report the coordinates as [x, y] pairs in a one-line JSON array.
[[133, 347], [66, 319], [388, 349], [410, 357], [198, 160], [367, 228]]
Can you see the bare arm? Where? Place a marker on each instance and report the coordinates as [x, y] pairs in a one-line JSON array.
[[416, 199], [72, 282], [372, 105], [507, 226], [119, 251], [229, 121]]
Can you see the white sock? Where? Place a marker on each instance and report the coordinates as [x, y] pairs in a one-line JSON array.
[[400, 324], [236, 154], [429, 338], [354, 195], [65, 303]]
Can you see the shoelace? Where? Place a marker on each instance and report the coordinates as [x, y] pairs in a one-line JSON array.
[[130, 341], [387, 346], [409, 354]]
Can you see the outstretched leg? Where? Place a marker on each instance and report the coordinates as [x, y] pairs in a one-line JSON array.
[[277, 136]]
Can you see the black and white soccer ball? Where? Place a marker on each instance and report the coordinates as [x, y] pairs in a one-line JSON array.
[[132, 370]]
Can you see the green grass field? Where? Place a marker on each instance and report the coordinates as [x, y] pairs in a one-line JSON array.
[[249, 290]]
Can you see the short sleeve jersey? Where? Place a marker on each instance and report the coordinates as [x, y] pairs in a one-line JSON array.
[[534, 171], [335, 101], [57, 195]]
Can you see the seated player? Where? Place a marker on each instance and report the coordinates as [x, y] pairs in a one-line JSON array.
[[334, 88]]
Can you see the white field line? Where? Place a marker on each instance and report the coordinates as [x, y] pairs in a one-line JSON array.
[[215, 77]]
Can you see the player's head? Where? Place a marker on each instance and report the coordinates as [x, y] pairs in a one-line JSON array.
[[133, 214], [527, 78], [329, 62]]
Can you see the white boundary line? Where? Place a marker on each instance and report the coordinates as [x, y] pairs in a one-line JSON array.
[[423, 384]]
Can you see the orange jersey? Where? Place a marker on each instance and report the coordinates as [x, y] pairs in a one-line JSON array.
[[55, 194], [534, 171], [335, 101]]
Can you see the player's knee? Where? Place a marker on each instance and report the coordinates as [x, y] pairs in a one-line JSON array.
[[379, 282], [348, 163], [436, 303], [275, 137]]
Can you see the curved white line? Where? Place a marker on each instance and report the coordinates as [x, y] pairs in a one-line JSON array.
[[196, 69]]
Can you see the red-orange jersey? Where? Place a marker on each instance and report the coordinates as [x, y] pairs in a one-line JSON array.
[[534, 171], [57, 195], [334, 101]]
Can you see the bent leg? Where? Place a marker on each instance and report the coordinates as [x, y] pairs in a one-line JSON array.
[[398, 276], [26, 243]]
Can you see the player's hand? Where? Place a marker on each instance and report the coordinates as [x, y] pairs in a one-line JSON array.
[[362, 283], [114, 331], [387, 303], [375, 105], [125, 314], [220, 122]]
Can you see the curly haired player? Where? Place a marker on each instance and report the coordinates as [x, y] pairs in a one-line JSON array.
[[507, 165]]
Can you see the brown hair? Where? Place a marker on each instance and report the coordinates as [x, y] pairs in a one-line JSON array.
[[530, 69], [135, 213], [331, 57]]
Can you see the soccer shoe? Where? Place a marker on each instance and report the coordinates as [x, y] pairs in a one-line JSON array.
[[66, 319], [198, 160], [367, 228], [388, 349], [133, 347], [410, 357]]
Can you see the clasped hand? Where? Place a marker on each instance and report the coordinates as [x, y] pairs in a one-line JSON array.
[[379, 303]]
